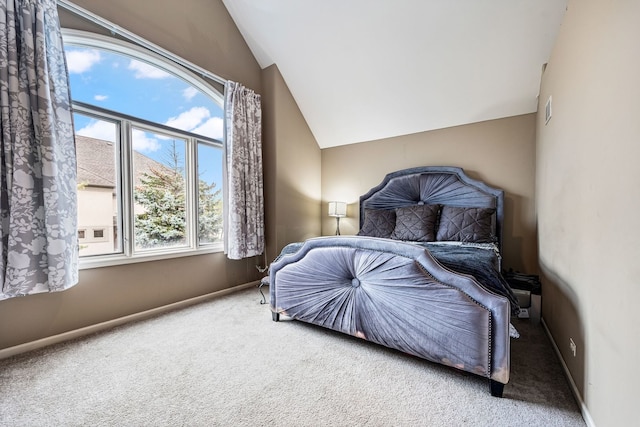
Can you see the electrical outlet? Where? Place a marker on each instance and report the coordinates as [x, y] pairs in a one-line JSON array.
[[572, 346]]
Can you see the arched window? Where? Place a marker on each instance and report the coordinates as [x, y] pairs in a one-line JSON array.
[[149, 147]]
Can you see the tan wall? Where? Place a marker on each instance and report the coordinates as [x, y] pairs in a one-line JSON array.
[[292, 176], [587, 203], [498, 152], [202, 32]]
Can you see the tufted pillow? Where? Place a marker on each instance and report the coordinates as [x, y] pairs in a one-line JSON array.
[[466, 224], [378, 223], [416, 223]]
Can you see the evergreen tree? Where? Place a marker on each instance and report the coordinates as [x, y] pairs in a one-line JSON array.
[[161, 195], [209, 212]]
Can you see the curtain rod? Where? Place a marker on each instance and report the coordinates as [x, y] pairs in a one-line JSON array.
[[115, 29]]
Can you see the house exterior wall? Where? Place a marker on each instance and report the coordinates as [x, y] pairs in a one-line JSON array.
[[96, 209], [587, 201]]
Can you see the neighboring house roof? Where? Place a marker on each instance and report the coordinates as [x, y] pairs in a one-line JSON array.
[[95, 169]]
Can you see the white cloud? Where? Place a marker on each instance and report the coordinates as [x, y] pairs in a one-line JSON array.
[[142, 143], [106, 131], [198, 120], [79, 61], [100, 97], [145, 71], [190, 119], [189, 93], [99, 129], [213, 128]]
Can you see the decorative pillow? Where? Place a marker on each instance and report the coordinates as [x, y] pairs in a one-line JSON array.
[[378, 223], [466, 224], [416, 223]]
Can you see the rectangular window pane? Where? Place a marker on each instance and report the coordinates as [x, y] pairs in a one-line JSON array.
[[209, 193], [98, 188], [159, 192]]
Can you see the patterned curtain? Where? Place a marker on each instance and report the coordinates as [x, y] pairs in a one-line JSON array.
[[38, 211], [244, 218]]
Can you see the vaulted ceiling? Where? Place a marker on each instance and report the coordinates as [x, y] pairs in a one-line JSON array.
[[363, 70]]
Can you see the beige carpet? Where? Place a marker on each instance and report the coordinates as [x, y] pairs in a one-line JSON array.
[[226, 363]]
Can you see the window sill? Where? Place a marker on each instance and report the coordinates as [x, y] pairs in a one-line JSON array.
[[98, 261]]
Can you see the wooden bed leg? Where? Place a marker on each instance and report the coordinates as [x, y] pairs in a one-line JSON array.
[[496, 388], [275, 316]]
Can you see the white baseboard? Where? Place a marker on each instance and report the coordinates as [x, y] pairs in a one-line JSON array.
[[76, 333], [574, 389]]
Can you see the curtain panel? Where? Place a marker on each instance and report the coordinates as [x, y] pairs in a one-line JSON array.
[[38, 206], [244, 200]]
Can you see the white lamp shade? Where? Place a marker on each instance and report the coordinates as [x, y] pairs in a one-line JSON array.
[[338, 209]]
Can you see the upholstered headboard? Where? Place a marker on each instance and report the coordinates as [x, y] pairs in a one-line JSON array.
[[443, 185]]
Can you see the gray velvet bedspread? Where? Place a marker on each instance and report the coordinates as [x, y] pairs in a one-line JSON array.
[[397, 295], [479, 261]]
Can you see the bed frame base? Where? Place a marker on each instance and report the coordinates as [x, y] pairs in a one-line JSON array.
[[496, 388]]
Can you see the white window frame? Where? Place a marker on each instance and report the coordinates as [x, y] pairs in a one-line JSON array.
[[129, 255]]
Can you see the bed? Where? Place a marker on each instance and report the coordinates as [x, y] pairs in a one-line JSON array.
[[422, 275]]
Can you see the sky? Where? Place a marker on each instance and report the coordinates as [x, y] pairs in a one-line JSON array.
[[120, 83]]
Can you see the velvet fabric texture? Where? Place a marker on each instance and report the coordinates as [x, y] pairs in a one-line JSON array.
[[395, 294], [436, 185]]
